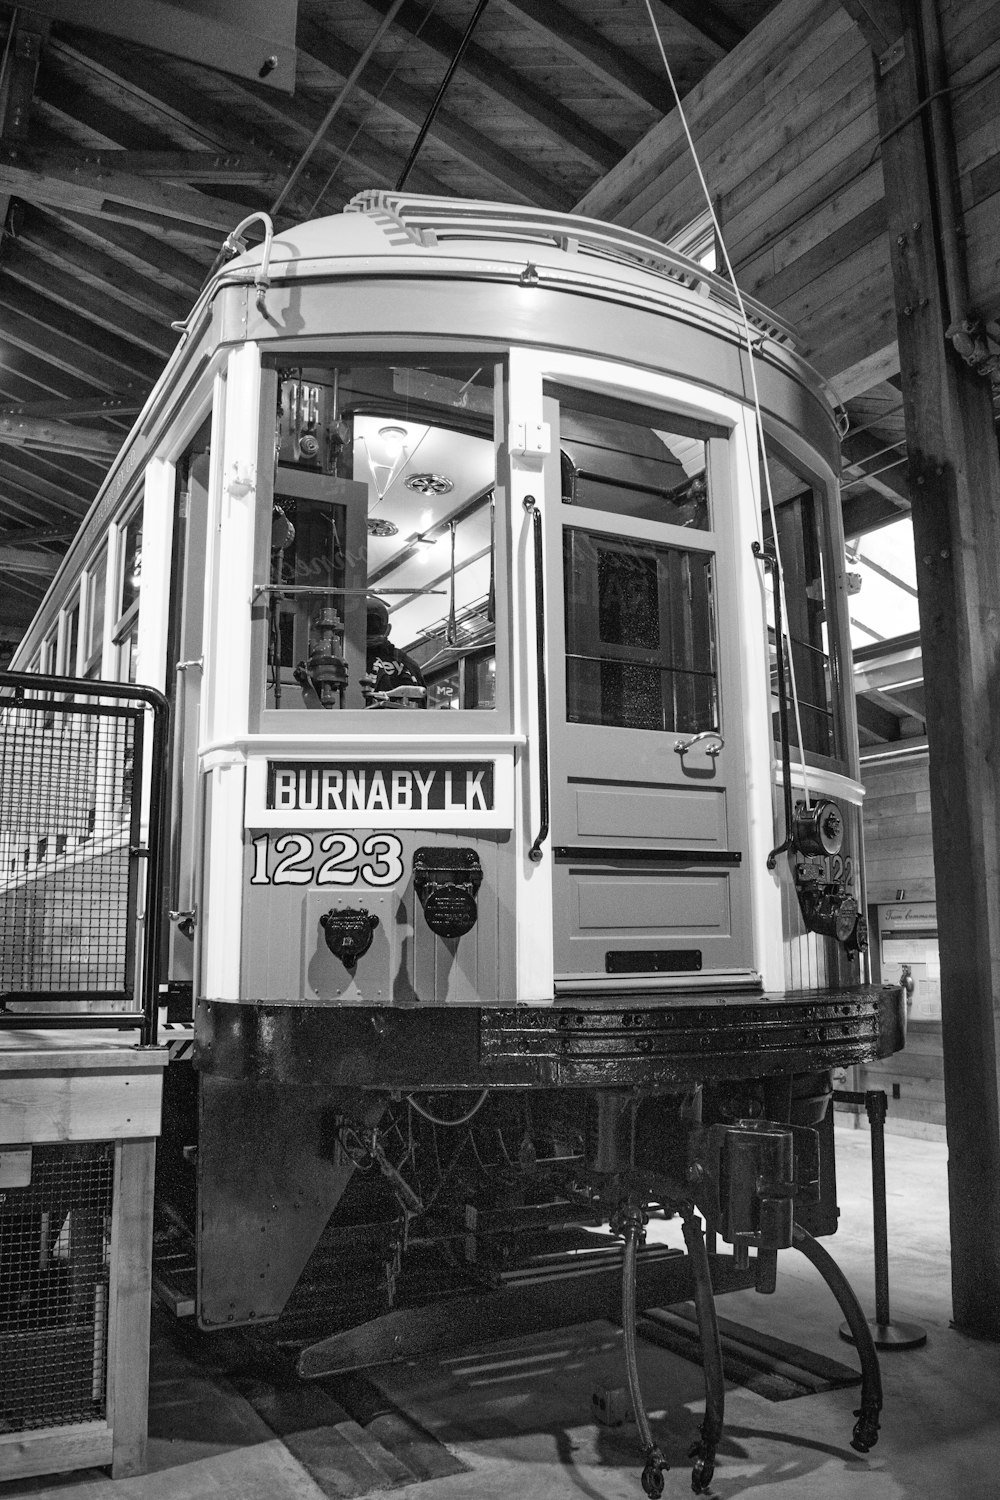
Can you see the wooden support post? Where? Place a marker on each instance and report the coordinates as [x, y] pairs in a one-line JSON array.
[[955, 486], [129, 1312]]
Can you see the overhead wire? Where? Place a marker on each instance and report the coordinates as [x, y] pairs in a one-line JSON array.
[[764, 467]]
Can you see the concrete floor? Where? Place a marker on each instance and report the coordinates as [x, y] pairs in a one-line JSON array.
[[518, 1416]]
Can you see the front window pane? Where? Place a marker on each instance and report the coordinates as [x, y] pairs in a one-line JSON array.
[[640, 640], [382, 581]]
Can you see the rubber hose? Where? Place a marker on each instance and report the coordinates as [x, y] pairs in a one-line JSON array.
[[711, 1353], [655, 1463], [865, 1434]]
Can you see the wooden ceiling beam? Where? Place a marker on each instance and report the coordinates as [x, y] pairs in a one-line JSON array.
[[103, 363], [78, 297], [709, 22], [18, 76], [65, 103], [865, 459], [161, 95], [592, 50], [540, 108], [104, 192], [57, 249], [243, 169], [51, 318], [510, 171], [30, 535], [110, 407], [341, 143], [60, 437], [879, 21], [147, 252], [29, 560], [879, 722], [35, 490], [183, 110]]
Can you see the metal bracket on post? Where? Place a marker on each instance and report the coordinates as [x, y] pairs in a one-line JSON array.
[[886, 1333]]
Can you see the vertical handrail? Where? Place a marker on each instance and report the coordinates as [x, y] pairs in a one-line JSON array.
[[535, 852], [771, 565]]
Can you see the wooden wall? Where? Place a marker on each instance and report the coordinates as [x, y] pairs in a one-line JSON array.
[[786, 132], [897, 831]]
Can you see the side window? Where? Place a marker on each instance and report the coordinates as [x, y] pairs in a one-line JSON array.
[[71, 639], [381, 576], [804, 553], [97, 575], [126, 626]]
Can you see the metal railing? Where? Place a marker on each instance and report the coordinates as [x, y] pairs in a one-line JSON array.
[[75, 871]]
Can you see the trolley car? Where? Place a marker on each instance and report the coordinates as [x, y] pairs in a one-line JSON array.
[[514, 818]]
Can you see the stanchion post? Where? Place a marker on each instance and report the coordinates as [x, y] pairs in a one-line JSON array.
[[886, 1333]]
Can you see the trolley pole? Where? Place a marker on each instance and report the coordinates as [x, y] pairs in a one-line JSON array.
[[886, 1333]]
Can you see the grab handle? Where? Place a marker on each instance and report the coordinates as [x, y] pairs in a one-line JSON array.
[[683, 746], [535, 852]]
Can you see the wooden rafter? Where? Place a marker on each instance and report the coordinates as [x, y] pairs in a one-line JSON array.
[[516, 177], [593, 51], [124, 196], [539, 108], [77, 297]]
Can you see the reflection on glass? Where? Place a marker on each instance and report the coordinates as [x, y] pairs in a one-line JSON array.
[[131, 564], [627, 465], [640, 640]]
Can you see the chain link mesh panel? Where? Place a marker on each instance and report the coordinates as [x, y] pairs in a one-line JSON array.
[[67, 821], [55, 1236]]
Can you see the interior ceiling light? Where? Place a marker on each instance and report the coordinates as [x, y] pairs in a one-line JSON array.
[[387, 446], [429, 484], [379, 526]]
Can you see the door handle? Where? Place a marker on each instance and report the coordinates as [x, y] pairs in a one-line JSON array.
[[683, 746]]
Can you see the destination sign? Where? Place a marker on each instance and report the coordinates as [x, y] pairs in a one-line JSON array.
[[379, 786]]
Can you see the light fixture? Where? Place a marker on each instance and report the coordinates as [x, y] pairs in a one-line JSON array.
[[429, 484], [379, 526], [390, 445]]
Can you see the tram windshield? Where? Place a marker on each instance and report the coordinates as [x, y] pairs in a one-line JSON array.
[[382, 571]]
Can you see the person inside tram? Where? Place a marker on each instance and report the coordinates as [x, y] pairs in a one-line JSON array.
[[392, 678]]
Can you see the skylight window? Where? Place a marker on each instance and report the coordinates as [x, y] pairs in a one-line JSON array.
[[883, 605]]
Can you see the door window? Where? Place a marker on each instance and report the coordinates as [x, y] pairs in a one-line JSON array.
[[640, 641]]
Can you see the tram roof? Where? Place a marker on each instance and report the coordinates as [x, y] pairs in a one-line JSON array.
[[381, 228]]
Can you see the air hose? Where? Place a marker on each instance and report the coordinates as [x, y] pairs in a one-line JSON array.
[[703, 1451], [655, 1463], [865, 1434]]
